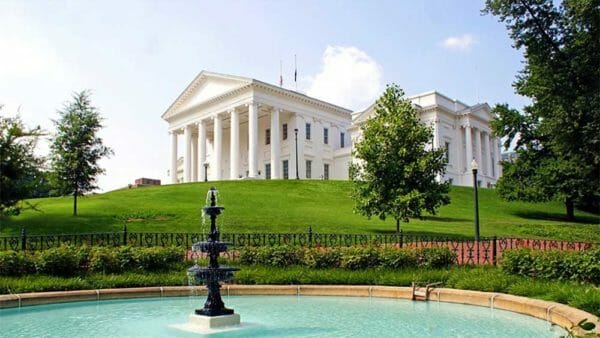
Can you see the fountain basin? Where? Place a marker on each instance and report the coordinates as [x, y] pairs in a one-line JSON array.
[[558, 314]]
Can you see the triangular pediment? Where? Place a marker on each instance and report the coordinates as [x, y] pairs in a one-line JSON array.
[[204, 87], [482, 111]]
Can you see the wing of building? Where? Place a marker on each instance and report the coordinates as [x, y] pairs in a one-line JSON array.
[[235, 127]]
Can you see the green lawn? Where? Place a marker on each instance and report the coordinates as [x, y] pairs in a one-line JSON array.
[[291, 206]]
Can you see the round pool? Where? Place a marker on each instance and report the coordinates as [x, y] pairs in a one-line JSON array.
[[273, 316]]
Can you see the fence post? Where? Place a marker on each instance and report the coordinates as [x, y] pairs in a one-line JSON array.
[[124, 234], [494, 250], [310, 234], [23, 238]]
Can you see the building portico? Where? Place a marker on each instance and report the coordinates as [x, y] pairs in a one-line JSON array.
[[244, 128]]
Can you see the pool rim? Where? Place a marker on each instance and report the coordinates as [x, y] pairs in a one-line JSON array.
[[556, 313]]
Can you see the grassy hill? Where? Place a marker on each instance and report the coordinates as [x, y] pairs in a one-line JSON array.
[[291, 206]]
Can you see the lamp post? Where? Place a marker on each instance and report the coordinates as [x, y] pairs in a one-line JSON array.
[[474, 166], [296, 136], [206, 171]]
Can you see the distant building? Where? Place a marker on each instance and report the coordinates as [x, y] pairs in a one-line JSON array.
[[235, 127], [144, 182], [509, 156]]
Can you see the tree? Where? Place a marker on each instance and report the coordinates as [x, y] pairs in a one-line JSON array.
[[18, 163], [396, 170], [76, 148], [558, 135]]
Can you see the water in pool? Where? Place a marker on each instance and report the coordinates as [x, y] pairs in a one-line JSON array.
[[273, 316]]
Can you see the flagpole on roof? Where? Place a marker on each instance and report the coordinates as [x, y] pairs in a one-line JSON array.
[[280, 74], [295, 72]]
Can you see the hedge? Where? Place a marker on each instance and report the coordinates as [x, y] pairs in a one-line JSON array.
[[351, 258], [68, 261]]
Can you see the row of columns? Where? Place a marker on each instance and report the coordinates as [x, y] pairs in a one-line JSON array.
[[195, 146], [483, 155]]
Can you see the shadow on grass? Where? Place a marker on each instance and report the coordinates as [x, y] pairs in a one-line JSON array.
[[421, 233], [446, 219], [552, 216]]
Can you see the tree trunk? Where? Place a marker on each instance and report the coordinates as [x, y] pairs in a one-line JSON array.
[[75, 202], [397, 226], [570, 209]]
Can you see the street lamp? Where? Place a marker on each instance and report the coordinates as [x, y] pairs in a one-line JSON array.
[[296, 133], [206, 171], [474, 166]]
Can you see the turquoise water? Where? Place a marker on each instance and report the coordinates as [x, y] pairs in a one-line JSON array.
[[273, 316]]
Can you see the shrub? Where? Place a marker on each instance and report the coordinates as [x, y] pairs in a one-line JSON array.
[[63, 261], [277, 256], [103, 259], [398, 258], [14, 263], [554, 264], [322, 258], [436, 257], [355, 258], [157, 258]]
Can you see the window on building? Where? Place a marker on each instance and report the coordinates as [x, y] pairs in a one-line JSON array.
[[479, 183], [450, 181], [268, 171], [447, 147], [493, 167], [342, 137], [286, 169], [267, 136], [325, 135], [308, 169], [284, 133], [308, 131], [325, 171]]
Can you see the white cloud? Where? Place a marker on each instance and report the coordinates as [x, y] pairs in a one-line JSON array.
[[461, 43], [349, 77]]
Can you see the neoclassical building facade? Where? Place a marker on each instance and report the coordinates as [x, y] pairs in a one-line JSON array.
[[234, 127], [230, 127], [462, 130]]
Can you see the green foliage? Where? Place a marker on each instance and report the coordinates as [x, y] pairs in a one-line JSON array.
[[76, 148], [351, 258], [104, 259], [396, 172], [19, 167], [13, 263], [554, 264], [158, 258], [293, 205], [557, 135], [63, 261]]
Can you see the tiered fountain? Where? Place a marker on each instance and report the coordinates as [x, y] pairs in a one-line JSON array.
[[214, 313]]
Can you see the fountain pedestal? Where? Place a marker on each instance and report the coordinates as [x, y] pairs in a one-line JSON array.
[[214, 314]]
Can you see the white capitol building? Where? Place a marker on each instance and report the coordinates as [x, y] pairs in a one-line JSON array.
[[235, 127]]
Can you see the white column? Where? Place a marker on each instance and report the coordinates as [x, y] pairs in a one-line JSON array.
[[202, 148], [173, 156], [301, 125], [436, 137], [218, 147], [468, 148], [275, 148], [318, 146], [234, 144], [187, 159], [478, 148], [498, 150], [252, 139], [487, 153], [195, 158]]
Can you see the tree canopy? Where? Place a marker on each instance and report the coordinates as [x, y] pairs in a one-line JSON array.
[[396, 169], [558, 135], [76, 148], [19, 166]]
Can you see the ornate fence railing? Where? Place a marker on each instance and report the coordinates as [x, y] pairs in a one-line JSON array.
[[468, 251]]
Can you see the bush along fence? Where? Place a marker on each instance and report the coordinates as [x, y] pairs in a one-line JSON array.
[[468, 251]]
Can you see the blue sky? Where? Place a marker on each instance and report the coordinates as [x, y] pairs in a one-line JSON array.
[[137, 56]]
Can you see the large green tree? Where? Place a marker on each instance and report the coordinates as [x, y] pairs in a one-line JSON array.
[[396, 171], [558, 134], [76, 147], [19, 166]]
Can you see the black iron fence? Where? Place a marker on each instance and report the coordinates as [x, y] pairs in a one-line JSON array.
[[468, 251]]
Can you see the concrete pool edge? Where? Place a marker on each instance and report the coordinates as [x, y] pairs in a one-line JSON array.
[[559, 314]]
